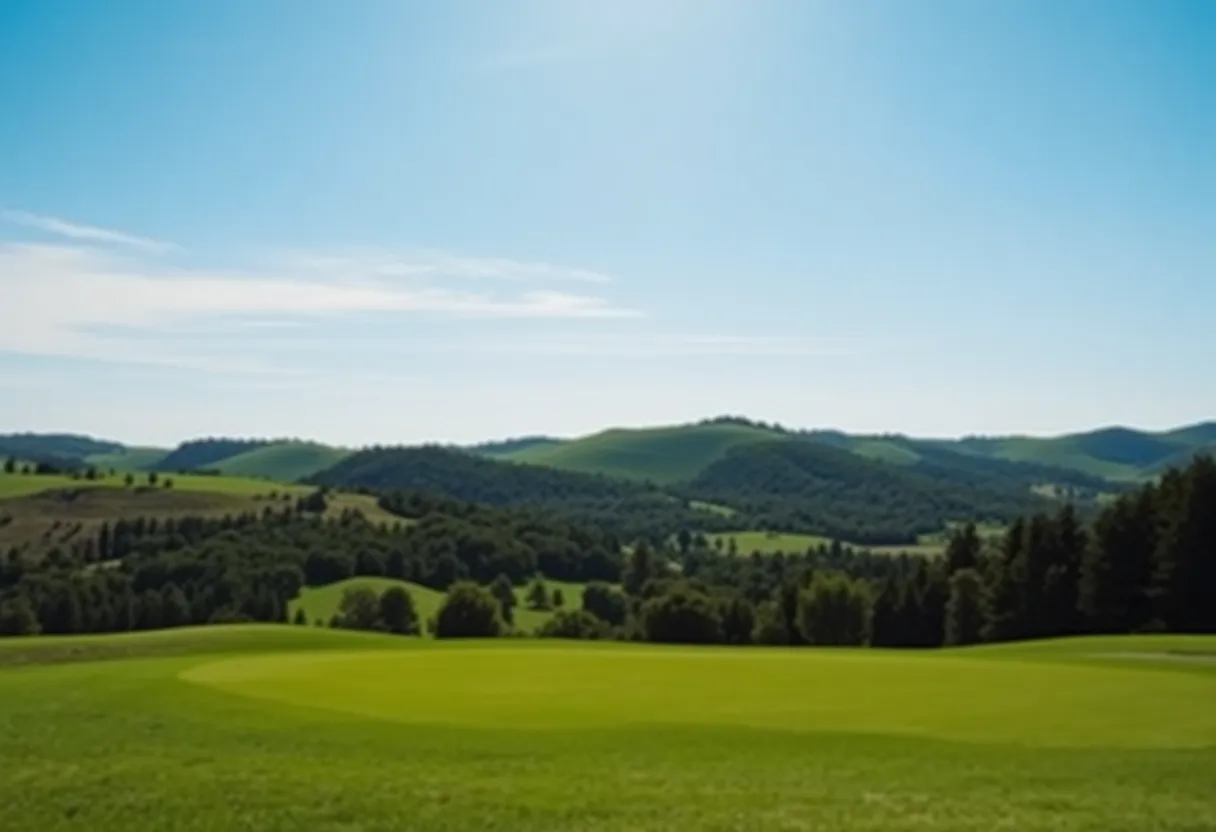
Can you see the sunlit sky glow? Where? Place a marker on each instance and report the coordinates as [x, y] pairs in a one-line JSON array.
[[412, 221]]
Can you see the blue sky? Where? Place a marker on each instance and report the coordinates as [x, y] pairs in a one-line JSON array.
[[402, 221]]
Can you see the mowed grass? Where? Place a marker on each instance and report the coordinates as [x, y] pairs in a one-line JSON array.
[[321, 603], [283, 728]]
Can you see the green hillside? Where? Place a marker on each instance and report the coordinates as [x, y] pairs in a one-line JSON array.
[[663, 455], [129, 459], [282, 461]]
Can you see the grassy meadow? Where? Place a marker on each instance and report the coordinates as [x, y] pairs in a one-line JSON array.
[[321, 602], [767, 542], [281, 728]]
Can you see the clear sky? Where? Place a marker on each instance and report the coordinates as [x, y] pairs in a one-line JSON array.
[[400, 221]]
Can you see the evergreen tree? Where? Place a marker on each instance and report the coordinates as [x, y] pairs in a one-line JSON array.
[[1117, 566], [967, 609], [559, 600], [504, 592], [640, 568], [1184, 582], [963, 549], [738, 620]]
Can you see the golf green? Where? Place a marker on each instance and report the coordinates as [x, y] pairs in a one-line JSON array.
[[302, 728], [959, 698]]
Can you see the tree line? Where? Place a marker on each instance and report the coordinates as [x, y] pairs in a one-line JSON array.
[[147, 572], [1145, 563]]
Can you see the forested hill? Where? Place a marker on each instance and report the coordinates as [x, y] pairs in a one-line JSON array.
[[201, 454], [805, 485], [63, 446], [790, 486]]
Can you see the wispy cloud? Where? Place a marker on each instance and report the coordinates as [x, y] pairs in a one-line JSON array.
[[85, 233], [435, 264], [118, 303], [647, 346]]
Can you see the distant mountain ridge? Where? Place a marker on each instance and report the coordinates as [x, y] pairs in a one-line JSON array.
[[667, 455]]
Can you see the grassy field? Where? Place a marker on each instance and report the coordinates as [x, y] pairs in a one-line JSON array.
[[128, 459], [661, 455], [282, 728], [283, 461], [769, 542], [320, 603]]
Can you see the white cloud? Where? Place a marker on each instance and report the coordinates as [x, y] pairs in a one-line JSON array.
[[85, 233], [121, 305], [435, 264], [638, 345]]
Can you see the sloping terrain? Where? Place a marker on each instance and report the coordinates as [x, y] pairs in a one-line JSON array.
[[200, 454], [130, 458], [807, 486], [53, 447], [662, 455], [1119, 454], [282, 461]]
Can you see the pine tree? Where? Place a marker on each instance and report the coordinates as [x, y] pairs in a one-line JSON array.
[[504, 592], [967, 608], [1184, 581], [963, 549]]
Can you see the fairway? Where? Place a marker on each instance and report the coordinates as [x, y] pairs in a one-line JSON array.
[[959, 698], [279, 728]]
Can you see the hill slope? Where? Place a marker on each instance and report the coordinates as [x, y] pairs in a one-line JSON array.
[[1118, 454], [199, 454], [282, 461], [808, 486], [662, 455]]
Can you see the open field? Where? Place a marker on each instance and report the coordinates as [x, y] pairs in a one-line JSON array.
[[283, 728], [320, 603], [770, 542]]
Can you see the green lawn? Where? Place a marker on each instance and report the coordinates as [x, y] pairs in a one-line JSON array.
[[320, 603], [281, 728]]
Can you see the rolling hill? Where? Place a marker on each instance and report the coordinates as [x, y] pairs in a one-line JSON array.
[[661, 455], [282, 461]]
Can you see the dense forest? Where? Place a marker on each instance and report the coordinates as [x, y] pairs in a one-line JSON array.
[[787, 486], [145, 573], [805, 486], [1146, 563]]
